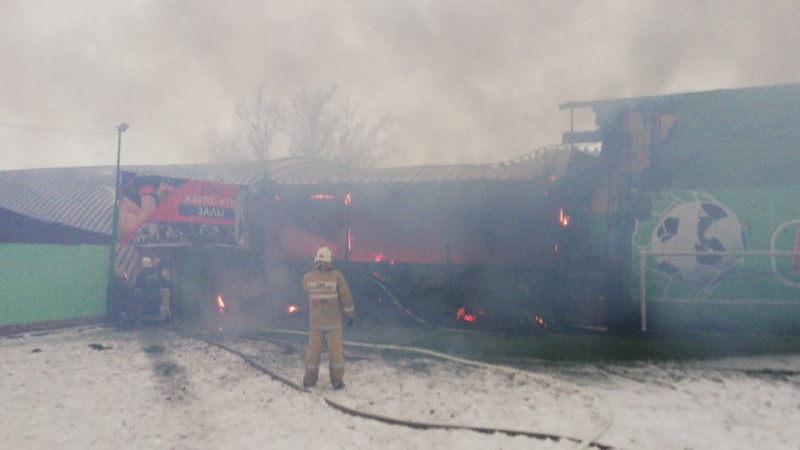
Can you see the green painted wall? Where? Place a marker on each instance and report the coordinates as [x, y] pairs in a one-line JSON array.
[[733, 138], [44, 283], [732, 292]]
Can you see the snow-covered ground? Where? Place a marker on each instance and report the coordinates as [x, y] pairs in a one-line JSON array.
[[99, 388]]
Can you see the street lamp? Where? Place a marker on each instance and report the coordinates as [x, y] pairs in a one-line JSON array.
[[115, 222], [115, 226]]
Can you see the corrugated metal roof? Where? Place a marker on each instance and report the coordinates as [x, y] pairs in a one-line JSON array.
[[249, 173], [294, 171], [78, 197], [83, 197]]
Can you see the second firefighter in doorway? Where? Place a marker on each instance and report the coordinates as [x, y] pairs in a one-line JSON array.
[[328, 297]]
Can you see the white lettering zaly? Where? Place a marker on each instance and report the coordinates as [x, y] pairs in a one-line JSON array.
[[210, 212]]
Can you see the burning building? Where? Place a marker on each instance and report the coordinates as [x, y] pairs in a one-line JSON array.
[[695, 206], [684, 215], [440, 238]]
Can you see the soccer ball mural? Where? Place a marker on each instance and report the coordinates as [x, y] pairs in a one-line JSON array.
[[698, 226]]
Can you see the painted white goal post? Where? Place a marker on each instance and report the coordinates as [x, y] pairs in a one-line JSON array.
[[773, 255]]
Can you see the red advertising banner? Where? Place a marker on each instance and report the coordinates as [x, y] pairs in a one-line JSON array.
[[162, 211]]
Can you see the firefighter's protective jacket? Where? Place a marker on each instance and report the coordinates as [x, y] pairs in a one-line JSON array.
[[328, 296], [148, 283]]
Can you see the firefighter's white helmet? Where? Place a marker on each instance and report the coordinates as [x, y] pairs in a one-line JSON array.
[[147, 263], [323, 255]]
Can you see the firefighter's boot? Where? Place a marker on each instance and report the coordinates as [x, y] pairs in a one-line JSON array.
[[310, 378], [337, 375]]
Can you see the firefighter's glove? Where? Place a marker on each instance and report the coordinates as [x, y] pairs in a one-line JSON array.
[[350, 322]]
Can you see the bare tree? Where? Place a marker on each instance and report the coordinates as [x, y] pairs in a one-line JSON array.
[[361, 141], [255, 129], [345, 133], [257, 120], [314, 126], [310, 124]]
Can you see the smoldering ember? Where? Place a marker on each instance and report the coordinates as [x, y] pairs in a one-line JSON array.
[[634, 286]]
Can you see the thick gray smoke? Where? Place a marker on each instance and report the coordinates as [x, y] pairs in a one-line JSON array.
[[467, 82]]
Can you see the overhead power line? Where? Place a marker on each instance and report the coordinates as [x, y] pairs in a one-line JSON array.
[[52, 130]]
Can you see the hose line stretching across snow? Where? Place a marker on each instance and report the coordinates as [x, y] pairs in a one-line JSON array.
[[585, 443]]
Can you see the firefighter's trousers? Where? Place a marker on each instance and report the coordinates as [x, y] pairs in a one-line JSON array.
[[164, 312], [336, 355]]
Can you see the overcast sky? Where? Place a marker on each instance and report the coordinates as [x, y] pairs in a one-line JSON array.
[[467, 81]]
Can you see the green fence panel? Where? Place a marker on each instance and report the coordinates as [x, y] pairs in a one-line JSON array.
[[46, 283]]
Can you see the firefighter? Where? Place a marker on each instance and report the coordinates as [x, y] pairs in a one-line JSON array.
[[328, 297], [147, 285], [165, 294]]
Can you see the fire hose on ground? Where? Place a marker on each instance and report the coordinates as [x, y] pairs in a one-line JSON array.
[[396, 301], [584, 443]]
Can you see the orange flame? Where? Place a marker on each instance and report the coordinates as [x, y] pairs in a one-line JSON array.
[[463, 315], [563, 219], [379, 258], [538, 320], [292, 309], [220, 304]]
